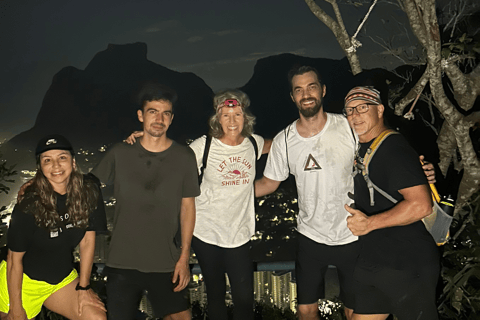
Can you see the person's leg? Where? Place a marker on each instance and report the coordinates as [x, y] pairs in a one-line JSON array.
[[310, 269], [183, 315], [414, 297], [308, 311], [370, 316], [166, 303], [345, 261], [123, 293], [239, 268], [210, 259], [65, 303]]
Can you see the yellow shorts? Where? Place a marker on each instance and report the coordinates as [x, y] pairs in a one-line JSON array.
[[34, 292]]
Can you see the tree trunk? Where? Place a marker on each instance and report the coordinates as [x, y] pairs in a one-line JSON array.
[[423, 20]]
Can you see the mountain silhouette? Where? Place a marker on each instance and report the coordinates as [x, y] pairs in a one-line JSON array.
[[97, 106]]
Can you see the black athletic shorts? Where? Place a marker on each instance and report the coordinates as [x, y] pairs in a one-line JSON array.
[[125, 288], [408, 294], [311, 264]]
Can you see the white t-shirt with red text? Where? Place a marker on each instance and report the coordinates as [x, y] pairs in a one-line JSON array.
[[225, 208]]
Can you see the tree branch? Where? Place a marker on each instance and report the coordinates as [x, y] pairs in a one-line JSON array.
[[414, 92], [466, 87], [338, 29]]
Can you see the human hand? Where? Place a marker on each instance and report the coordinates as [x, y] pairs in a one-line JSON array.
[[16, 314], [133, 137], [428, 169], [358, 222], [181, 275], [89, 298]]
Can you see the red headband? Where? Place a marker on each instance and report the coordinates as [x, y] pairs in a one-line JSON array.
[[230, 103]]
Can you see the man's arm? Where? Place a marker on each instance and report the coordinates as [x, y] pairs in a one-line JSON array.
[[187, 223], [416, 205], [267, 144], [265, 186]]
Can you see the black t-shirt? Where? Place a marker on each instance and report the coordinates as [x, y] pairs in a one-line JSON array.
[[48, 253], [394, 166]]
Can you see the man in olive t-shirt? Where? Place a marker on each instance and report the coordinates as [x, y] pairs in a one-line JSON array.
[[155, 184]]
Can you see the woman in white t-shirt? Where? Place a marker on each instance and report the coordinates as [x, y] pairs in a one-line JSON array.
[[225, 208]]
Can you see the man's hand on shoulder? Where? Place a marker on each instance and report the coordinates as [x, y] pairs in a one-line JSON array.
[[133, 137], [181, 275]]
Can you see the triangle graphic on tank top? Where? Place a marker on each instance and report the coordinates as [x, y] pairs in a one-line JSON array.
[[311, 164]]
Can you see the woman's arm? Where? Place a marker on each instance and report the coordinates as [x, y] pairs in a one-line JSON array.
[[87, 250], [14, 283]]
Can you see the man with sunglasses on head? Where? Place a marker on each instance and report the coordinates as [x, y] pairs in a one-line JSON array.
[[398, 265], [318, 149]]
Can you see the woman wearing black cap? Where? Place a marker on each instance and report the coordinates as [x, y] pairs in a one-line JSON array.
[[60, 209]]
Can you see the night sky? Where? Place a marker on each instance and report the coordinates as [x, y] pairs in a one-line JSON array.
[[218, 40]]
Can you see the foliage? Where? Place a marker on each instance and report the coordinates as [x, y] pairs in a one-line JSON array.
[[276, 225], [463, 45], [461, 266], [5, 173]]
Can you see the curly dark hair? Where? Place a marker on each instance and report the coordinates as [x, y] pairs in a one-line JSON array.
[[82, 197]]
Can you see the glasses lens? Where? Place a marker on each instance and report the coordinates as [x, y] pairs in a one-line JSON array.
[[362, 108]]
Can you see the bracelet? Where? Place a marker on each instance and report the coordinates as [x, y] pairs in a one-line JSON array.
[[79, 287]]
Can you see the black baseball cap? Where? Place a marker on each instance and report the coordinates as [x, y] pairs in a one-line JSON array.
[[53, 142]]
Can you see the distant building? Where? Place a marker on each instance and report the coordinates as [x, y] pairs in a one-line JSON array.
[[281, 289], [197, 291], [146, 306], [293, 296], [262, 286]]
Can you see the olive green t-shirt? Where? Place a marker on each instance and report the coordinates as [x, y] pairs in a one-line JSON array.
[[148, 188]]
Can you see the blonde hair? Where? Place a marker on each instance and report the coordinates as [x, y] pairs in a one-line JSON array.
[[216, 130]]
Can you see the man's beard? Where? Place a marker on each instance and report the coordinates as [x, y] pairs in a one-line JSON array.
[[311, 111], [156, 133]]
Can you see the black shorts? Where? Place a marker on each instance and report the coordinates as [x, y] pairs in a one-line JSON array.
[[408, 294], [125, 288], [311, 264]]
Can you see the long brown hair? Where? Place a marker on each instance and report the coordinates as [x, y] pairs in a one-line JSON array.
[[82, 196]]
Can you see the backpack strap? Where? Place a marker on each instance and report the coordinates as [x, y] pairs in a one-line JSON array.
[[286, 146], [208, 142], [255, 146], [366, 162]]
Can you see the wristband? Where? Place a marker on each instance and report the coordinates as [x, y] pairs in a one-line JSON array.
[[80, 288]]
